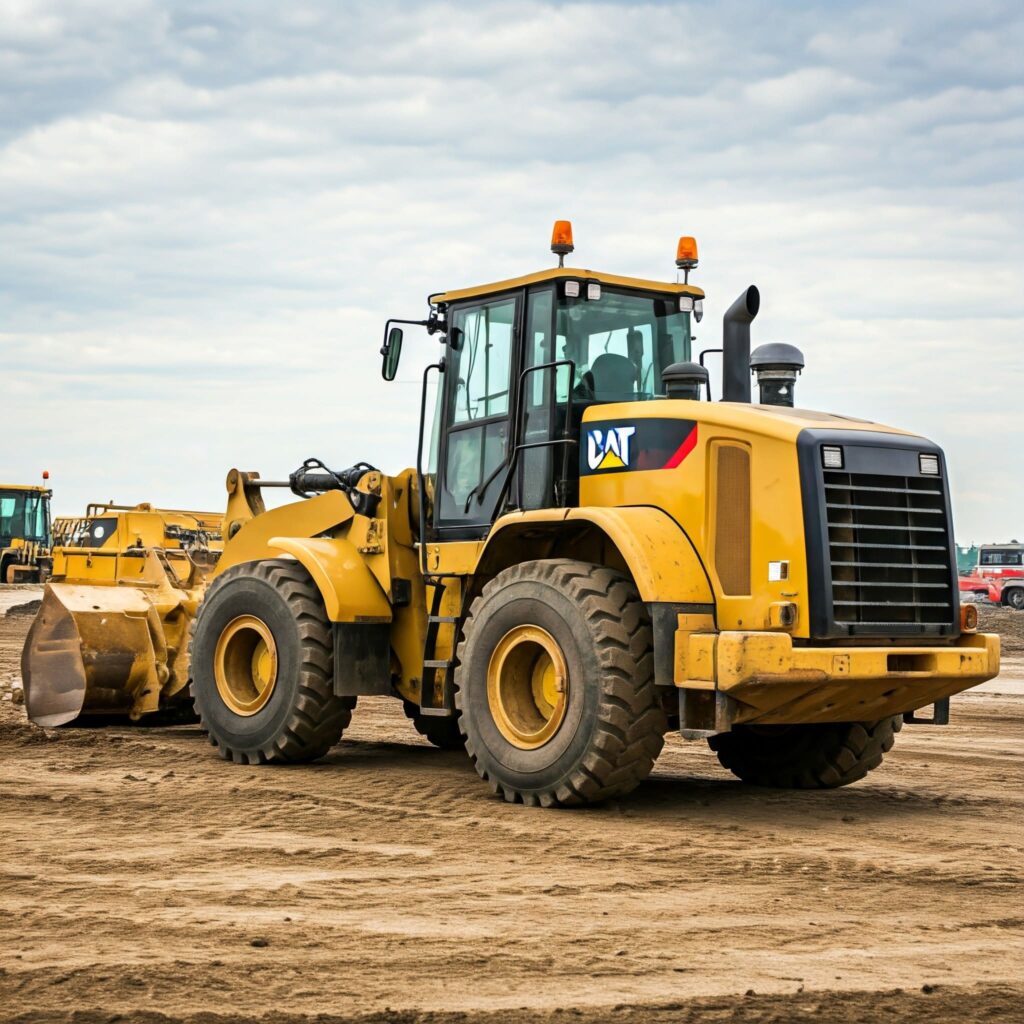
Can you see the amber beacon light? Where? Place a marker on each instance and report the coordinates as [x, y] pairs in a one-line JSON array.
[[686, 254], [561, 240]]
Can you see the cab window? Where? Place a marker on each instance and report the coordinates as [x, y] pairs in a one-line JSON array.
[[997, 557], [620, 343], [478, 399], [23, 515], [483, 361]]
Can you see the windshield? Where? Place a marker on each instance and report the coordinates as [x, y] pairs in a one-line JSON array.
[[1004, 557], [23, 514], [620, 343]]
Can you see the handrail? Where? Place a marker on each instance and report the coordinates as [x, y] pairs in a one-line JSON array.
[[517, 424], [439, 366]]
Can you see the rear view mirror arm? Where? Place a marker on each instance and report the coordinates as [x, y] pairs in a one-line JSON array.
[[433, 324]]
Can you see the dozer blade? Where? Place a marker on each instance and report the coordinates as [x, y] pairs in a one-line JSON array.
[[88, 650]]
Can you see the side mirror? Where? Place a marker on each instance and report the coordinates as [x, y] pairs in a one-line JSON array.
[[392, 352]]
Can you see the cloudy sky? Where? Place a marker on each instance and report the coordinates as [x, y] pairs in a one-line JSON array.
[[207, 210]]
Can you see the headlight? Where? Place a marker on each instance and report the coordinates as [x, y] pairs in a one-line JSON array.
[[832, 456]]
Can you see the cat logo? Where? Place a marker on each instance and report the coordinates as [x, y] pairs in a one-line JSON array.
[[609, 449]]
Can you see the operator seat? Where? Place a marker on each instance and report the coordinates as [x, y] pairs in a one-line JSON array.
[[614, 378]]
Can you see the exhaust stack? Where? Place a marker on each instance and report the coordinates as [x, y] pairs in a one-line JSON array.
[[736, 346]]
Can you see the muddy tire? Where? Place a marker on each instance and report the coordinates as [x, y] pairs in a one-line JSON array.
[[442, 732], [816, 756], [273, 703], [1014, 598], [557, 623]]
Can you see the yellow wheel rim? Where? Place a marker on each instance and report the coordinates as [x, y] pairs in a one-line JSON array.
[[527, 687], [245, 664]]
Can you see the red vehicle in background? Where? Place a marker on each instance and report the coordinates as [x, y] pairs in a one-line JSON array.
[[998, 576]]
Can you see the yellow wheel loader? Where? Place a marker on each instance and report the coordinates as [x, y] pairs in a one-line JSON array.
[[591, 552], [25, 538], [111, 634]]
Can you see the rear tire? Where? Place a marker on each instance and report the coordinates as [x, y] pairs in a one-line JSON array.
[[1014, 598], [814, 756], [300, 719], [543, 625], [442, 732]]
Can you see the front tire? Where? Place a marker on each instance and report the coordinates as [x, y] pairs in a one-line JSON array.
[[1014, 598], [263, 666], [812, 756], [555, 684]]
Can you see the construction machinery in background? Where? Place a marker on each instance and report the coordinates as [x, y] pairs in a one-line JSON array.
[[588, 553], [25, 537], [111, 634], [997, 576], [966, 558]]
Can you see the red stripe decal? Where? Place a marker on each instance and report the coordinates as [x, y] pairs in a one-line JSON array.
[[683, 450]]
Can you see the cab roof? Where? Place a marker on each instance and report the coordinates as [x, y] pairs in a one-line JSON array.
[[25, 487], [558, 273]]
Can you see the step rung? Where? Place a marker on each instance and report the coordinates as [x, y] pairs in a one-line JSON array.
[[442, 618], [438, 663], [431, 712]]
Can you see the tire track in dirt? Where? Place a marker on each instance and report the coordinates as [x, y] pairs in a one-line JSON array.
[[940, 1005], [137, 869]]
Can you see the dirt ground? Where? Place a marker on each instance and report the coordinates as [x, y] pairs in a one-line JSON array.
[[144, 879], [1008, 623]]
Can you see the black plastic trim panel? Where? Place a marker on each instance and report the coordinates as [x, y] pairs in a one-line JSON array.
[[878, 455], [664, 623]]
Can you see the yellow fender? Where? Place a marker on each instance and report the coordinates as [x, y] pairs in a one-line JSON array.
[[307, 518], [659, 555], [350, 591], [654, 547]]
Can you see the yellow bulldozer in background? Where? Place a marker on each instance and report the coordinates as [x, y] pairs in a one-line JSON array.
[[592, 554], [111, 634], [25, 537]]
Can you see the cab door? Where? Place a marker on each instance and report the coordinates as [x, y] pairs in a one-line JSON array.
[[479, 399]]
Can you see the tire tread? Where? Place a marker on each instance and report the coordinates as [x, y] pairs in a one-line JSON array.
[[318, 718], [834, 754], [631, 723]]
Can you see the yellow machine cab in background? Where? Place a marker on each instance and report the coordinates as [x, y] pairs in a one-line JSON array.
[[25, 537]]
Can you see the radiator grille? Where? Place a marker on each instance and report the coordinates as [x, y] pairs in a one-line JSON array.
[[888, 545], [732, 519]]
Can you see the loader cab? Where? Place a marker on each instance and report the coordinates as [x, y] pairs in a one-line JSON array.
[[25, 538], [523, 360], [24, 515]]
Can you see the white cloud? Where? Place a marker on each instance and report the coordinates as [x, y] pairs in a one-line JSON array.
[[207, 211]]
